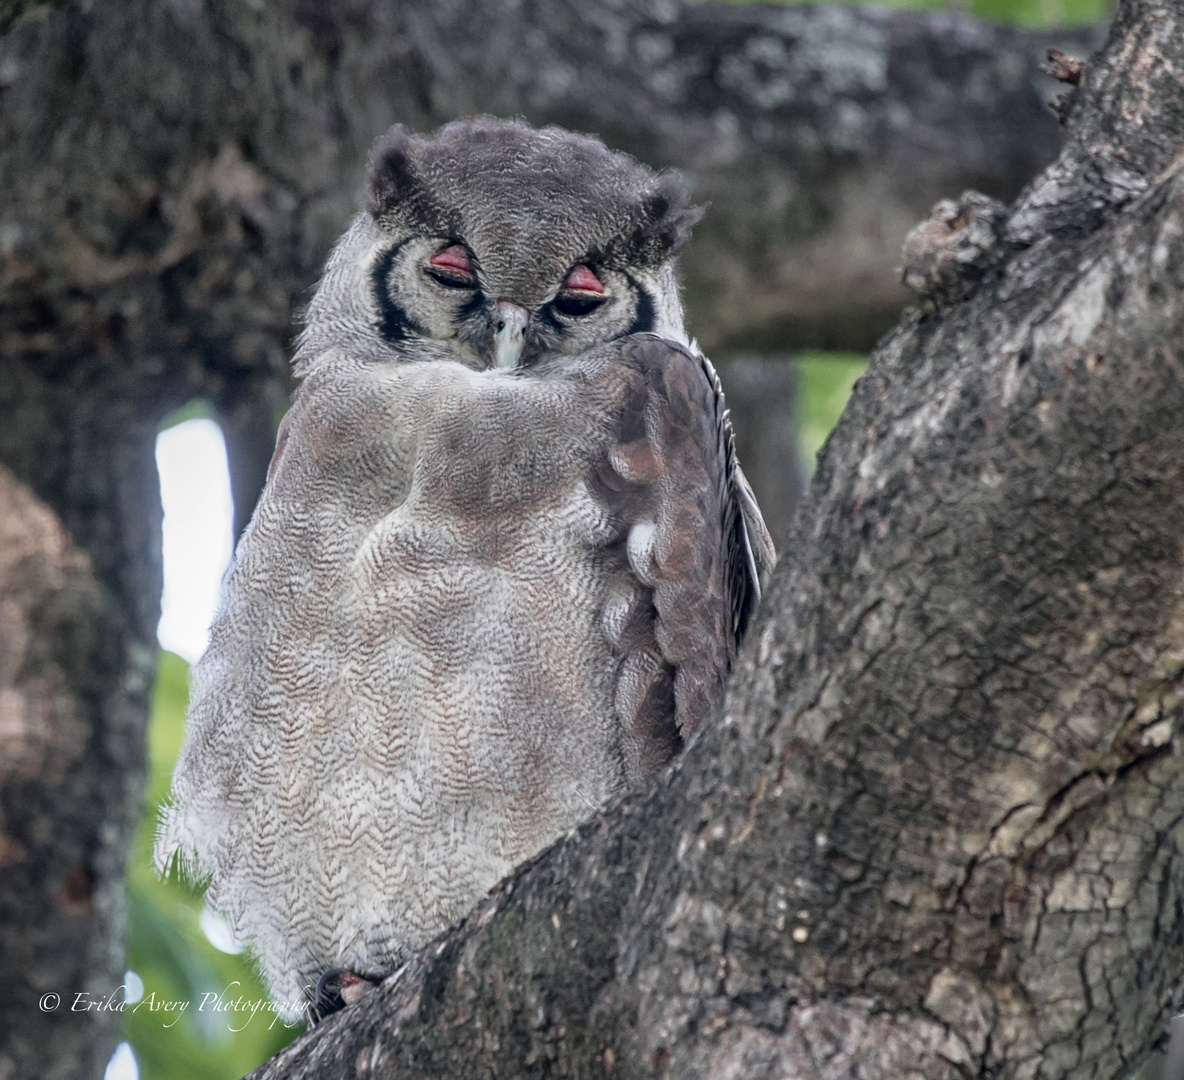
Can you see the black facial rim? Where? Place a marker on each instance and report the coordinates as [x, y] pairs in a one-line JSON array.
[[394, 323], [644, 318]]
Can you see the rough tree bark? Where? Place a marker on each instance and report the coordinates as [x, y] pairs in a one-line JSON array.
[[171, 176], [75, 673], [939, 831]]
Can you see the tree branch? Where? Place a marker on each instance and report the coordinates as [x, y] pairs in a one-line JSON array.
[[71, 743], [938, 832]]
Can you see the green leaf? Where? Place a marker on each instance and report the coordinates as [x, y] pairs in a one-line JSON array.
[[825, 381]]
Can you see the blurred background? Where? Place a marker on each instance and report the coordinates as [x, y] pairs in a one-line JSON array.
[[784, 406]]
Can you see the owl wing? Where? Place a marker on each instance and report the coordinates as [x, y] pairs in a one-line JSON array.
[[693, 552]]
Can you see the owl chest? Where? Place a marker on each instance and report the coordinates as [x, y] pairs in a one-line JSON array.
[[478, 673]]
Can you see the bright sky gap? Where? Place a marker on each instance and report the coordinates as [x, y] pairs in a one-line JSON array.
[[198, 516]]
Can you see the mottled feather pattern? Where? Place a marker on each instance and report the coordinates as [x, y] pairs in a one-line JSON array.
[[473, 605]]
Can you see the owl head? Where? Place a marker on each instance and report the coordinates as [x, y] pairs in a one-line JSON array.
[[495, 244]]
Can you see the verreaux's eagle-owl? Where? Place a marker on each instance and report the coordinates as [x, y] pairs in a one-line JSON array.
[[501, 567]]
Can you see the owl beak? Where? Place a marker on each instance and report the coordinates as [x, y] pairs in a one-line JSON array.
[[509, 333]]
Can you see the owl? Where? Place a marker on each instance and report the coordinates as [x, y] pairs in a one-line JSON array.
[[500, 569]]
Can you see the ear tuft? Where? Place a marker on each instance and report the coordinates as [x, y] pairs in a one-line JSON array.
[[392, 182], [664, 223]]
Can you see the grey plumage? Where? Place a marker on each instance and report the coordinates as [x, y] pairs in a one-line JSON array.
[[502, 565]]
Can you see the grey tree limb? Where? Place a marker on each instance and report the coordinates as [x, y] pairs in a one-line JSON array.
[[938, 831], [77, 656]]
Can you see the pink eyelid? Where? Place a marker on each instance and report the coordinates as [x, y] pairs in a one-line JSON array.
[[453, 258], [583, 278]]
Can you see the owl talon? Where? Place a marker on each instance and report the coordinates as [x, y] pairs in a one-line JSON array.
[[336, 989]]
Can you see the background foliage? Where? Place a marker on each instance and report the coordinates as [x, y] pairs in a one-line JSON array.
[[1018, 12]]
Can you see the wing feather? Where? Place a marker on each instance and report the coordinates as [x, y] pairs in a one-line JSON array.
[[696, 553]]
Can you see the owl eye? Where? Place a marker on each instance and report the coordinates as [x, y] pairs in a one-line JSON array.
[[573, 305], [451, 268], [582, 293], [580, 277]]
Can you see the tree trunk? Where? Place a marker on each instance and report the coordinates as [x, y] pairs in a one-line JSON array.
[[79, 591], [938, 832], [171, 177]]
